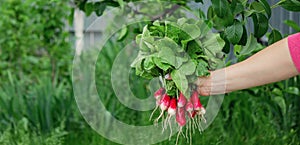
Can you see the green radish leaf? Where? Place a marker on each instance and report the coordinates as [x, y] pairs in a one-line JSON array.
[[267, 7], [234, 33], [192, 30], [167, 55], [148, 63], [180, 80], [145, 40], [261, 24], [205, 27], [159, 64], [181, 21], [180, 61], [292, 24], [167, 42], [137, 61], [250, 46], [274, 36], [212, 44], [187, 68], [202, 69]]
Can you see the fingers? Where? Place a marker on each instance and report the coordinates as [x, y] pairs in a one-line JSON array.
[[203, 86], [200, 81]]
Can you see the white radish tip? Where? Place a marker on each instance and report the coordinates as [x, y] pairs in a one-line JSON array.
[[180, 105], [171, 111], [163, 107], [157, 97], [202, 110], [189, 109], [197, 108]]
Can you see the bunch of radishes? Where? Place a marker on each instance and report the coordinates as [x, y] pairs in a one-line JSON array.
[[182, 108], [178, 53]]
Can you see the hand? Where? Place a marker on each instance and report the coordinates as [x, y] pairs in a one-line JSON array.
[[204, 85]]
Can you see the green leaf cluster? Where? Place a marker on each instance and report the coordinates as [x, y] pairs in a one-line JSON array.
[[183, 49]]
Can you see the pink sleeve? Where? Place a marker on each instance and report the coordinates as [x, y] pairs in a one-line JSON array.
[[294, 46]]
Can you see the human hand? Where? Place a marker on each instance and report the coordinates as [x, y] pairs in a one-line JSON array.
[[204, 85]]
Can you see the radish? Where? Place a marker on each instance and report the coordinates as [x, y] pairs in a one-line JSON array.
[[159, 93], [157, 96], [171, 112], [189, 106], [181, 100], [196, 101], [164, 104], [198, 107], [181, 120], [172, 107]]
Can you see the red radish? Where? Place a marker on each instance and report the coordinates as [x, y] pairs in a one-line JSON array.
[[201, 113], [157, 96], [180, 117], [172, 107], [181, 120], [181, 100], [165, 102], [164, 105], [189, 106], [196, 101], [159, 93], [171, 112]]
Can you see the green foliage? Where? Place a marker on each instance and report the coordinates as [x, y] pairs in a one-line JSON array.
[[33, 38], [21, 135], [36, 103], [291, 5], [292, 24], [44, 103], [176, 49], [274, 36]]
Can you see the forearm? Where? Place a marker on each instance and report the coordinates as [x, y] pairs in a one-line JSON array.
[[272, 64]]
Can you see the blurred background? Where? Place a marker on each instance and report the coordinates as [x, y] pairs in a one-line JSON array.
[[37, 105]]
